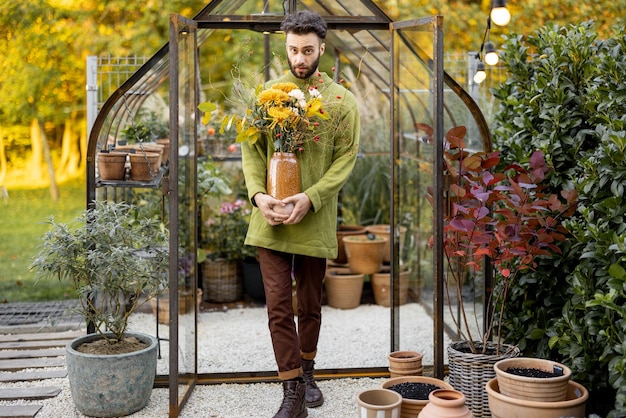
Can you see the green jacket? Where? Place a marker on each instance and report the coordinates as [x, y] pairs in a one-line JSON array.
[[325, 166]]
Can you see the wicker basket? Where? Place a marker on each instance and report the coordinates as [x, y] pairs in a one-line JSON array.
[[469, 373], [221, 281]]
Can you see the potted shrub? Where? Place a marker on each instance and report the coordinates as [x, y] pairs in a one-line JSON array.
[[116, 262], [502, 221]]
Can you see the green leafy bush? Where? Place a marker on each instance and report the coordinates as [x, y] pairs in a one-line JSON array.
[[565, 95]]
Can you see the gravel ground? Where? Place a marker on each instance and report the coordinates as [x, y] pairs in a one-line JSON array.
[[349, 338]]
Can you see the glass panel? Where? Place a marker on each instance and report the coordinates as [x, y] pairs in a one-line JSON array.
[[183, 274], [414, 102]]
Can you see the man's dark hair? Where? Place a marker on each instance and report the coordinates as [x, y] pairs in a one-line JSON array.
[[304, 22]]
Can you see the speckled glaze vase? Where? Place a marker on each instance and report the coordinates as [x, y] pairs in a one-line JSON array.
[[446, 403], [283, 177]]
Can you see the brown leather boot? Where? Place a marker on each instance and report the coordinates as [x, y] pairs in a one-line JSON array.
[[314, 397], [294, 404]]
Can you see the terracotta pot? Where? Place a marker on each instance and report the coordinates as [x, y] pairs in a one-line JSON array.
[[111, 165], [446, 403], [405, 363], [343, 289], [383, 231], [165, 142], [344, 231], [365, 255], [283, 178], [379, 403], [541, 389], [144, 166], [502, 406], [410, 408], [381, 285]]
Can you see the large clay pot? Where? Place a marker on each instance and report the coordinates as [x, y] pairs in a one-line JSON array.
[[161, 308], [112, 385], [410, 408], [379, 403], [344, 231], [283, 178], [541, 389], [365, 254], [381, 285], [502, 406], [446, 403], [111, 165], [343, 288], [383, 230]]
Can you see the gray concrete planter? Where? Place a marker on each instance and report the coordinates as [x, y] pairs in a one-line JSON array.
[[111, 385]]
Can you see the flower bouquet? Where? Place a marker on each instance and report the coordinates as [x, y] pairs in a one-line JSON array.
[[282, 112]]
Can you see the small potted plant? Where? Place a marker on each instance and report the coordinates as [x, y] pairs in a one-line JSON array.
[[495, 218], [222, 240], [117, 262]]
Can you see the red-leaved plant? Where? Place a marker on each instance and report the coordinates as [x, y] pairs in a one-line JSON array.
[[504, 219]]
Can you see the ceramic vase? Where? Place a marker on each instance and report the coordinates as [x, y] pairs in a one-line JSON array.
[[283, 178], [446, 403]]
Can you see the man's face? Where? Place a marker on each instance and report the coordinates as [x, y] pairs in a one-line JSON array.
[[303, 54]]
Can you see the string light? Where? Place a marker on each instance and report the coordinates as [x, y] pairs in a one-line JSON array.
[[500, 15], [491, 56], [480, 75]]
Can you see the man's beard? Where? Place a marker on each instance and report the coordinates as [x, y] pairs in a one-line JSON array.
[[309, 73]]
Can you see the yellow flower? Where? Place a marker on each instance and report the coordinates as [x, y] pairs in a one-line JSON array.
[[286, 87], [314, 108], [271, 97], [279, 115]]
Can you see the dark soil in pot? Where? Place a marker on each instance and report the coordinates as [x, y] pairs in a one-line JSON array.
[[531, 372], [414, 390]]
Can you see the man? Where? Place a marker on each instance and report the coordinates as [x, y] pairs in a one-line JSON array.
[[296, 245]]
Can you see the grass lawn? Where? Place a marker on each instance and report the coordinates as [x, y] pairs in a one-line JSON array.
[[23, 219]]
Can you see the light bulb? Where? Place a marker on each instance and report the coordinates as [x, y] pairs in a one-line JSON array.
[[500, 15], [491, 56], [480, 75]]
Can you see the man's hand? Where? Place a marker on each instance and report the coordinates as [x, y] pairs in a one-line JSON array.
[[301, 206], [274, 210]]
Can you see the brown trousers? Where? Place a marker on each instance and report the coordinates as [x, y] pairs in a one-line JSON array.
[[291, 345]]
